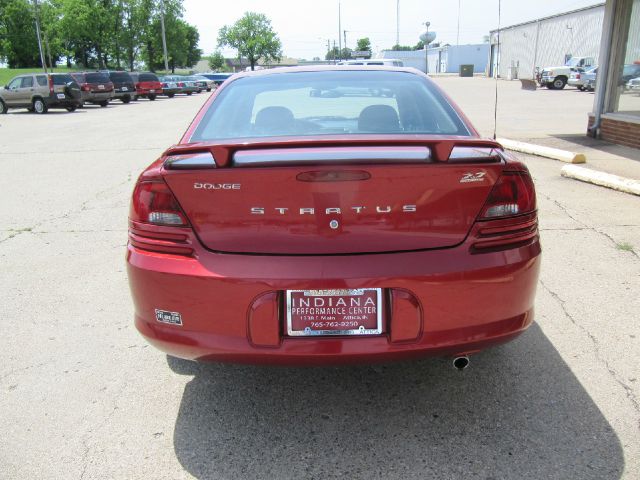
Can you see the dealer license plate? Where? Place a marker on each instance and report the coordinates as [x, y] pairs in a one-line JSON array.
[[334, 312], [124, 89], [61, 96], [152, 91]]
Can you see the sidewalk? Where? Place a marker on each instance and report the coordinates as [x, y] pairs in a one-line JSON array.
[[602, 156]]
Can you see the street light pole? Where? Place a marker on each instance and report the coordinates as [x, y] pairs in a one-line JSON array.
[[164, 39], [339, 32], [426, 49], [37, 11]]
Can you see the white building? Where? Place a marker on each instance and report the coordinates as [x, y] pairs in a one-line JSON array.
[[445, 59], [545, 42]]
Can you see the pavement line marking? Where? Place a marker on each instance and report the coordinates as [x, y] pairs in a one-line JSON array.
[[539, 150], [622, 184]]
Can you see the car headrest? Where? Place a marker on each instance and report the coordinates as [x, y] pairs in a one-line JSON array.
[[378, 118], [274, 120]]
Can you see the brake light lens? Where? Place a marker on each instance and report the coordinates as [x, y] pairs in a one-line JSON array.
[[85, 87], [154, 203], [50, 84], [513, 194]]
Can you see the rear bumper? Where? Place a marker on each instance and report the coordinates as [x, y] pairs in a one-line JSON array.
[[125, 94], [55, 102], [462, 302], [144, 92], [96, 97], [171, 91]]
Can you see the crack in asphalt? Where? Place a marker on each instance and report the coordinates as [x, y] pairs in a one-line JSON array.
[[596, 346], [584, 226], [23, 369], [83, 207], [89, 434]]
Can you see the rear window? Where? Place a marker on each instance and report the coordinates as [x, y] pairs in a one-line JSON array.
[[79, 77], [147, 77], [329, 103], [62, 79], [120, 76], [97, 77]]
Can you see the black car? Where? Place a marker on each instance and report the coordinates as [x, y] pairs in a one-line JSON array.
[[123, 86]]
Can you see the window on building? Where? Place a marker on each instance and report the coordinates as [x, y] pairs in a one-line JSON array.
[[628, 86]]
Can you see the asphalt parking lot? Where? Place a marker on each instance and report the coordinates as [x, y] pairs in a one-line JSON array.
[[84, 396]]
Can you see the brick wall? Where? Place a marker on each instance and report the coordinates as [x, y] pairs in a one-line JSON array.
[[618, 131]]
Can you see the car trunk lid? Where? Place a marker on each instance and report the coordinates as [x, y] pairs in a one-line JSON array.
[[341, 198]]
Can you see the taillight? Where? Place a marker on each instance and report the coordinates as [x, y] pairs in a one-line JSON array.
[[85, 87], [180, 84], [578, 76], [513, 194], [154, 203], [51, 85]]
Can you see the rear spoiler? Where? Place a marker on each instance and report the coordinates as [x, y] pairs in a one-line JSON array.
[[314, 150]]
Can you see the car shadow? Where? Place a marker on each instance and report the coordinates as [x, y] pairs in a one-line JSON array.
[[517, 412], [57, 111]]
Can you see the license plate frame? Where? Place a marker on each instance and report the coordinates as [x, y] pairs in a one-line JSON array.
[[335, 331]]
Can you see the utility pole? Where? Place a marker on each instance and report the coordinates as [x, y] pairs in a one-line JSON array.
[[397, 22], [345, 39], [37, 10], [164, 39], [329, 50], [334, 49], [339, 31], [458, 34]]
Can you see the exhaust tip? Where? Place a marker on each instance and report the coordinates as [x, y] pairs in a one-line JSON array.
[[460, 363]]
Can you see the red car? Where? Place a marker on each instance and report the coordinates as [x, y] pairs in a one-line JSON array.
[[147, 85], [332, 215]]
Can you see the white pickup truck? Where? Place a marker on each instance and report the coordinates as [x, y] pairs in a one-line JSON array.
[[556, 78]]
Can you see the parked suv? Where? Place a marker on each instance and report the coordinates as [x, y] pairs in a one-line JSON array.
[[123, 86], [96, 87], [147, 85], [39, 92]]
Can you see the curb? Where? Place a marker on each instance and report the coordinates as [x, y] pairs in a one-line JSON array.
[[548, 152], [622, 184]]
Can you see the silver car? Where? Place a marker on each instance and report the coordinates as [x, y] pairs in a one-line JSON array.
[[580, 79]]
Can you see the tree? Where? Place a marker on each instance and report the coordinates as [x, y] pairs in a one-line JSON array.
[[253, 38], [364, 45], [19, 43], [216, 61]]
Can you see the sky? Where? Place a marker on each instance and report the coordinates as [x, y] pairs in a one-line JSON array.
[[304, 26]]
